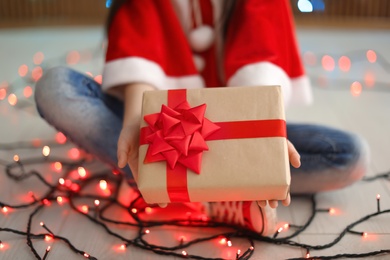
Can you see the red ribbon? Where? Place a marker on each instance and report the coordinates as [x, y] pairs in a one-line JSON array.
[[178, 135]]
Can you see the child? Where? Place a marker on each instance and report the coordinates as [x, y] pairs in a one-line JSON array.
[[156, 44]]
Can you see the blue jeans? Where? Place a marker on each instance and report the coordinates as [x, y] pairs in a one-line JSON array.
[[75, 105]]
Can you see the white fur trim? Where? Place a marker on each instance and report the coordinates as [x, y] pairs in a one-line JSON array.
[[135, 69], [301, 91], [295, 91]]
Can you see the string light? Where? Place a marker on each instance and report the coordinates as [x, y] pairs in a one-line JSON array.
[[82, 172], [27, 91], [103, 185], [12, 99], [5, 209], [184, 253], [236, 232], [238, 254], [86, 255], [57, 166], [277, 232], [60, 138], [45, 227], [148, 210], [1, 245], [356, 89], [378, 202], [61, 181], [327, 63], [38, 58], [371, 56], [332, 211], [60, 200], [307, 253], [46, 253], [134, 210], [23, 70], [46, 151]]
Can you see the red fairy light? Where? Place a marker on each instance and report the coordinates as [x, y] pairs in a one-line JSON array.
[[57, 166], [115, 172], [73, 57], [371, 56], [184, 253], [60, 138], [286, 226], [36, 73], [327, 63], [46, 202], [229, 243], [5, 210], [3, 93], [27, 91], [103, 185], [12, 99], [309, 58], [61, 181], [82, 172], [223, 241], [84, 209], [356, 89], [48, 238], [364, 234], [38, 58], [147, 231], [148, 210], [46, 151], [60, 200], [74, 153], [75, 187], [369, 79], [86, 255], [1, 245], [16, 158], [23, 70], [134, 210], [344, 63], [122, 247], [97, 203]]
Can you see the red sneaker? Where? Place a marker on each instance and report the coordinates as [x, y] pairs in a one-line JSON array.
[[247, 214]]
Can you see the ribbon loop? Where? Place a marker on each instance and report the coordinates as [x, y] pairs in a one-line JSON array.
[[177, 135]]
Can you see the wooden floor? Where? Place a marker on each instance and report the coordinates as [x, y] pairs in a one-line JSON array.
[[365, 111]]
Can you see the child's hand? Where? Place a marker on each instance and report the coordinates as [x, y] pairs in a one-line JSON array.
[[128, 143], [295, 160]]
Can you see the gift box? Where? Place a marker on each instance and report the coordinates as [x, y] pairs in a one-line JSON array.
[[213, 144]]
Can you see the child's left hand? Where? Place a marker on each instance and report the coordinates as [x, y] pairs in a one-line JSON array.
[[295, 160]]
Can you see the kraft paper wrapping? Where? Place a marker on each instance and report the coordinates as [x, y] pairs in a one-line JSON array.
[[233, 169]]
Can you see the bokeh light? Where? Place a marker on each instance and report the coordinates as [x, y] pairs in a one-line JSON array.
[[12, 99], [60, 138], [27, 91], [327, 63], [369, 79], [23, 70], [344, 63], [309, 58], [38, 58], [36, 73], [73, 57], [356, 89], [371, 56]]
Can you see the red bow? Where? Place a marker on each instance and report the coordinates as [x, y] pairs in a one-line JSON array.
[[177, 135]]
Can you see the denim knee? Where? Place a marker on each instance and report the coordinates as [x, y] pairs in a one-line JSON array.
[[48, 89]]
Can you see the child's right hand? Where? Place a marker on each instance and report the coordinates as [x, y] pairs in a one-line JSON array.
[[128, 143]]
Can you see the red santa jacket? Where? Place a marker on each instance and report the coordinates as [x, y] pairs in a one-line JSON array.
[[148, 42]]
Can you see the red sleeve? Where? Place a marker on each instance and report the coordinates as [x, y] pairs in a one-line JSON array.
[[262, 31], [150, 29]]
